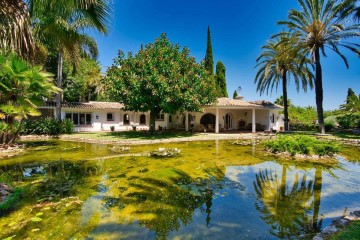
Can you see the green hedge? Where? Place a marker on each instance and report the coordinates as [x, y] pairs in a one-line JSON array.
[[301, 145], [47, 126]]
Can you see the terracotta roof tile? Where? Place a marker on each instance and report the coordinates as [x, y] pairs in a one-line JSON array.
[[86, 105], [228, 102], [93, 105]]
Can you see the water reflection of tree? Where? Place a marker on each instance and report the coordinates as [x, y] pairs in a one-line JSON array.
[[290, 211], [165, 204]]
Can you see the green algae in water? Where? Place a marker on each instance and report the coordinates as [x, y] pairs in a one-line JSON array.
[[211, 190]]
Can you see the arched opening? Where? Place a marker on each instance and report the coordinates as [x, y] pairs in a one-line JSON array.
[[208, 119], [229, 121], [126, 119], [142, 119]]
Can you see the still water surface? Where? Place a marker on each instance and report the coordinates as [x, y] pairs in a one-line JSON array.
[[212, 190]]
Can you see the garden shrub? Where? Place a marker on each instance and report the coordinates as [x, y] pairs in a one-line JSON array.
[[349, 120], [47, 126], [301, 145]]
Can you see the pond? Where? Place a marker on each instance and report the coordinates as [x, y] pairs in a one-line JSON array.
[[211, 190]]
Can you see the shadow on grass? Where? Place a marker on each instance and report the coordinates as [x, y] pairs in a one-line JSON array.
[[346, 135], [145, 135]]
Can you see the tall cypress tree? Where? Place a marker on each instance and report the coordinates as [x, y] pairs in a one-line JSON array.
[[209, 61], [221, 79], [350, 93], [235, 95]]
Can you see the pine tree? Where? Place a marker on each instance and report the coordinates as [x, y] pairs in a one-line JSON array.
[[221, 79], [235, 95], [209, 61]]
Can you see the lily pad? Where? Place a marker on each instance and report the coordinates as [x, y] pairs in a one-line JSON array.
[[36, 219]]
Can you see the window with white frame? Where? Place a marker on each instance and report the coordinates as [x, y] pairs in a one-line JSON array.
[[79, 118]]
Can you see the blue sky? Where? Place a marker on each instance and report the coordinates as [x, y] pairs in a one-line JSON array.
[[238, 30]]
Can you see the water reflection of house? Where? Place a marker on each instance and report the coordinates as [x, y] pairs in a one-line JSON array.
[[225, 115]]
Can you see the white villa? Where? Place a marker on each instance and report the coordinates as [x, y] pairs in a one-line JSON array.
[[225, 115]]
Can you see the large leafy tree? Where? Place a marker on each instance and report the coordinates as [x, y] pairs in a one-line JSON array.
[[321, 24], [61, 25], [22, 90], [278, 61], [15, 31], [221, 79], [162, 77]]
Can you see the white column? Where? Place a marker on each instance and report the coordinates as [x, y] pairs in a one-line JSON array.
[[186, 121], [253, 121], [217, 121], [269, 119]]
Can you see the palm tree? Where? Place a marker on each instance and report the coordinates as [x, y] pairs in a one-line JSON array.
[[61, 25], [22, 90], [352, 104], [276, 63], [323, 24], [285, 208], [15, 31], [280, 101]]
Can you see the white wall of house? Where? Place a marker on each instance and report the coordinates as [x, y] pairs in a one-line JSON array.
[[100, 121]]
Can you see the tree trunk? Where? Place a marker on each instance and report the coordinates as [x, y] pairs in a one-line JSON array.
[[16, 134], [319, 91], [317, 198], [153, 115], [283, 182], [286, 114], [59, 85]]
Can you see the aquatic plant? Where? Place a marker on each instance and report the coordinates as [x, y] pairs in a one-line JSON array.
[[165, 152], [301, 145]]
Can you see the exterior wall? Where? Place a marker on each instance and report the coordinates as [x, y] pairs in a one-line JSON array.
[[99, 120]]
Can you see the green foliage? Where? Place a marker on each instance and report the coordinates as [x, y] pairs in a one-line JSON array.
[[48, 126], [330, 123], [81, 85], [351, 231], [161, 77], [209, 60], [349, 120], [279, 60], [15, 28], [22, 89], [301, 145], [221, 79], [280, 101], [302, 115], [320, 26], [352, 104]]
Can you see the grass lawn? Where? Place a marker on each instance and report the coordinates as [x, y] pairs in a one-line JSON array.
[[350, 232], [132, 135], [346, 135]]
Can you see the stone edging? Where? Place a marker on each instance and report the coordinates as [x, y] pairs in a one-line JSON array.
[[337, 224]]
